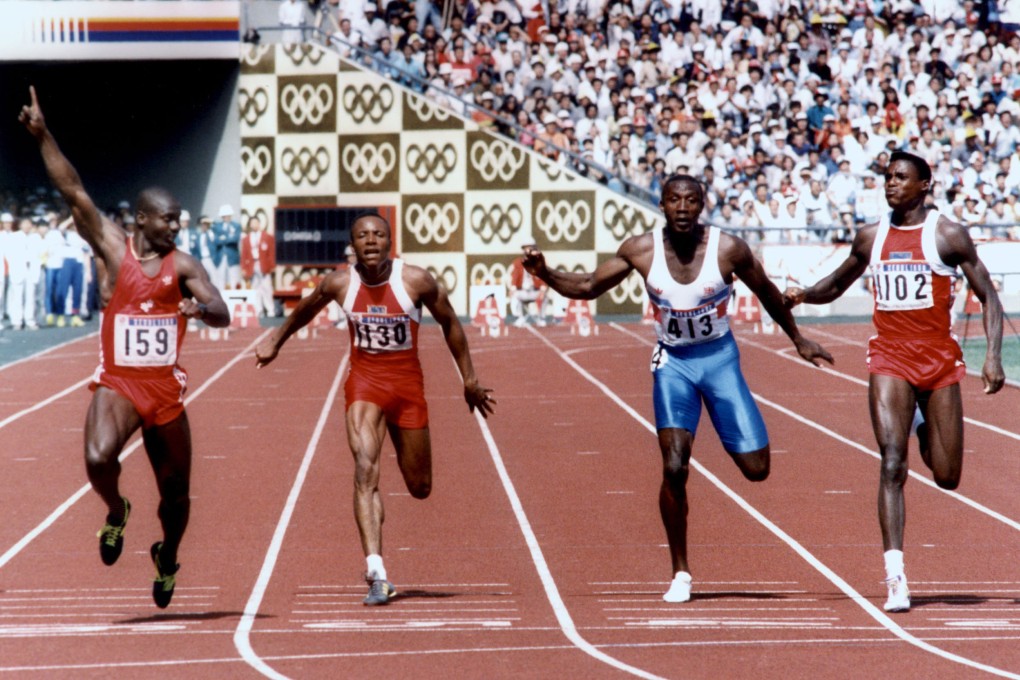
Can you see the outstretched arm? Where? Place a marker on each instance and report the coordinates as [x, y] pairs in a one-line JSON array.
[[960, 251], [434, 296], [836, 283], [584, 286], [307, 309], [87, 218], [749, 270]]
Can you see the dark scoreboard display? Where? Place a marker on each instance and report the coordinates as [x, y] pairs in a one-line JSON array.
[[314, 236]]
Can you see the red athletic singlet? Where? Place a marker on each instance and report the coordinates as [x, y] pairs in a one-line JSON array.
[[914, 294], [383, 323], [913, 287], [140, 339]]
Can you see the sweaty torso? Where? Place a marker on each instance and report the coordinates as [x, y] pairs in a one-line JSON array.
[[689, 291]]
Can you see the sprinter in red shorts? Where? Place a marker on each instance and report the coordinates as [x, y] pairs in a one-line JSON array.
[[138, 383], [382, 299], [913, 255]]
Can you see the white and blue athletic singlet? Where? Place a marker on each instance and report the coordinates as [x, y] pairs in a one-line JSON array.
[[696, 358]]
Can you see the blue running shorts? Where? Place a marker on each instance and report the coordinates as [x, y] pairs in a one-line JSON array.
[[710, 372]]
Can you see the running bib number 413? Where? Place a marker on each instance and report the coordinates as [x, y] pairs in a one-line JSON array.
[[900, 287], [140, 341]]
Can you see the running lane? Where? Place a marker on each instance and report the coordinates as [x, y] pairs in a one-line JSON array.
[[66, 615]]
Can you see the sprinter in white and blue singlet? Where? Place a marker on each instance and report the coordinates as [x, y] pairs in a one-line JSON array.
[[688, 270]]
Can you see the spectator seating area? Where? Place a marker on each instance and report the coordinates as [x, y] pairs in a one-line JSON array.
[[787, 110]]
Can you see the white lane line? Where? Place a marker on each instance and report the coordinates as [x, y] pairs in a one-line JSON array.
[[858, 381], [45, 402], [48, 350], [77, 495], [828, 573], [1013, 524], [548, 582], [242, 636]]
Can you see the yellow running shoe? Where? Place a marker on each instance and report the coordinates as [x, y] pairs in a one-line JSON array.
[[111, 537], [163, 584]]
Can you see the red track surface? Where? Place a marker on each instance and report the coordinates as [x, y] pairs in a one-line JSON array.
[[540, 553]]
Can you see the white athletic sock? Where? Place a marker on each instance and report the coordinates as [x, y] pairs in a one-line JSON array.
[[893, 563], [374, 566]]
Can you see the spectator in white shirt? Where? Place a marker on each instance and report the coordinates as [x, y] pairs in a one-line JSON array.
[[292, 16], [24, 261]]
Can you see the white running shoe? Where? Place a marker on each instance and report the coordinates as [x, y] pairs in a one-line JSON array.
[[679, 589], [899, 594]]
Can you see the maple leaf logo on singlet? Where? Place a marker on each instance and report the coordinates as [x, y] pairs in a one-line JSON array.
[[147, 306], [167, 280]]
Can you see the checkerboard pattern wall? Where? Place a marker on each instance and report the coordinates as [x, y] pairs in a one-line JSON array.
[[319, 130]]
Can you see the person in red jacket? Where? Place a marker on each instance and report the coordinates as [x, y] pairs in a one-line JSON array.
[[258, 261], [526, 289]]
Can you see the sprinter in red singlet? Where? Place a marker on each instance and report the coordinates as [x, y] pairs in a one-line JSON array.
[[153, 290], [382, 299], [914, 361]]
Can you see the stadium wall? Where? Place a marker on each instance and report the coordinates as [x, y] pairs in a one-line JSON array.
[[319, 130]]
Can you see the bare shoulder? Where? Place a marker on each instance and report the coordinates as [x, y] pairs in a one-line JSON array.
[[731, 245], [864, 239], [418, 279], [186, 264], [950, 229], [638, 250], [953, 242], [336, 283]]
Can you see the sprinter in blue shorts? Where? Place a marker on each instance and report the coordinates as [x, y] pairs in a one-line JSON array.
[[688, 270]]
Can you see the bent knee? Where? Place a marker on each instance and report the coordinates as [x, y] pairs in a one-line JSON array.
[[99, 456], [675, 470], [174, 488], [948, 482], [757, 474], [754, 465], [420, 491]]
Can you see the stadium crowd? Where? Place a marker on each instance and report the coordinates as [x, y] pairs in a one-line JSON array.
[[787, 109], [49, 276]]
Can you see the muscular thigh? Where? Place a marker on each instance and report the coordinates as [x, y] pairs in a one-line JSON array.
[[414, 451], [111, 420], [892, 401], [944, 417], [734, 414], [366, 428]]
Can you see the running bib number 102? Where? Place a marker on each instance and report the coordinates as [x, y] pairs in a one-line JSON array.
[[141, 341], [902, 287]]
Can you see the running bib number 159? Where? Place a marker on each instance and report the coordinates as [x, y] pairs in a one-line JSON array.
[[140, 341]]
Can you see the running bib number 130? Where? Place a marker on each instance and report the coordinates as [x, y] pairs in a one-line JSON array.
[[382, 337], [140, 341]]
